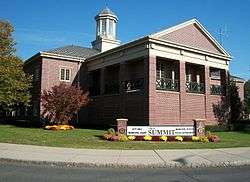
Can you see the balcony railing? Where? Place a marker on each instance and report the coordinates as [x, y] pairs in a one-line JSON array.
[[216, 89], [133, 85], [195, 87], [112, 87], [167, 84]]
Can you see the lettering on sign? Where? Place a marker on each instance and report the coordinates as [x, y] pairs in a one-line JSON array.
[[161, 130]]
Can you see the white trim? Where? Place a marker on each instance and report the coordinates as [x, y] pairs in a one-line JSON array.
[[192, 21], [189, 48], [60, 56], [70, 73]]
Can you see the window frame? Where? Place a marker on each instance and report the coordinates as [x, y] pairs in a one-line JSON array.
[[65, 75]]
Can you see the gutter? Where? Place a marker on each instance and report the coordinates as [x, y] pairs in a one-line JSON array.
[[57, 56]]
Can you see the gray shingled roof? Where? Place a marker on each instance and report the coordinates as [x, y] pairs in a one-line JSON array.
[[75, 51], [236, 78]]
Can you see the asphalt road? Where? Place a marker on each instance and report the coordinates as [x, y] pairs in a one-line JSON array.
[[21, 172]]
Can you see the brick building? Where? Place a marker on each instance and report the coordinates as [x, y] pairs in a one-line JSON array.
[[169, 77]]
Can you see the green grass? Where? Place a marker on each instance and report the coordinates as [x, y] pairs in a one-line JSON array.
[[89, 138]]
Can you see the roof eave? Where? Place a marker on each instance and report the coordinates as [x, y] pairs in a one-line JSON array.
[[56, 56], [61, 56], [119, 48]]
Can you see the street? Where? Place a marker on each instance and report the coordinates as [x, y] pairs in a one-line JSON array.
[[22, 172]]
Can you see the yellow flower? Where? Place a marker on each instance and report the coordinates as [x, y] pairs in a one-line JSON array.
[[147, 138], [131, 137], [164, 138], [179, 138], [195, 138], [204, 139]]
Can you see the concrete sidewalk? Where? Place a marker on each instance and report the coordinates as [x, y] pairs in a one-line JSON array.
[[126, 158]]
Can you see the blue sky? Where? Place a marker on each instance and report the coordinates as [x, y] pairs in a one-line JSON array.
[[45, 24]]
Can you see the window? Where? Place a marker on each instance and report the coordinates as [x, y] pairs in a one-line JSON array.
[[104, 25], [65, 74], [111, 27], [166, 75], [215, 73]]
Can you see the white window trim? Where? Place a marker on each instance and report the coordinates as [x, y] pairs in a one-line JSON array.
[[70, 74]]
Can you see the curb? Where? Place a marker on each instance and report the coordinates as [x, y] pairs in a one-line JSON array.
[[115, 165]]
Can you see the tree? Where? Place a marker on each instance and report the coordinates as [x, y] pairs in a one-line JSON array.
[[236, 106], [247, 96], [14, 83], [230, 109], [7, 43], [62, 102]]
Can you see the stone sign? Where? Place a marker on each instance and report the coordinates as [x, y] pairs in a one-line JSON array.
[[122, 125], [184, 130], [199, 127]]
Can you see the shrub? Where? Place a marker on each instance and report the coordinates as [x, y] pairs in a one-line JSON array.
[[213, 138], [179, 138], [195, 138], [217, 128], [62, 103], [204, 139], [107, 136], [131, 138], [147, 138], [139, 138], [156, 138], [164, 138], [59, 127], [115, 138], [123, 138], [111, 131]]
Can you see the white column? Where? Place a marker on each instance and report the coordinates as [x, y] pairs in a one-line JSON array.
[[173, 79], [107, 27], [100, 27], [114, 29], [198, 79]]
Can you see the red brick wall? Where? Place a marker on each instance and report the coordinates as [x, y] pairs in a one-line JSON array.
[[213, 100], [167, 109], [51, 71], [193, 107]]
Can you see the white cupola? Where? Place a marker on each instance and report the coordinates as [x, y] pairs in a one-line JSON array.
[[106, 22]]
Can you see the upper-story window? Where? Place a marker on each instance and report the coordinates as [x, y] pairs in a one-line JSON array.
[[65, 74], [215, 73], [166, 75]]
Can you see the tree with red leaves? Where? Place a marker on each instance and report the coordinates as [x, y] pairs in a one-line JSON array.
[[62, 102]]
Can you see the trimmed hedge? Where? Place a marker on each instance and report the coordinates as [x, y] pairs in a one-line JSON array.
[[241, 125], [217, 128]]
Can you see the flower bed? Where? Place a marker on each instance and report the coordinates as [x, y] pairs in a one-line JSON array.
[[59, 127], [111, 135]]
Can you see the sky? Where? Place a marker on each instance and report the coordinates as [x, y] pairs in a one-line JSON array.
[[46, 24]]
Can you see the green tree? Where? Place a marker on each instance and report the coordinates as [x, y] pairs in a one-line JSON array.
[[236, 106], [7, 43], [230, 109], [14, 83]]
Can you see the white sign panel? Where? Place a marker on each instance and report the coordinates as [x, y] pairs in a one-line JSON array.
[[161, 130]]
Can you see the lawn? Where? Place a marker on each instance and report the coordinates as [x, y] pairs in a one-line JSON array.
[[90, 138]]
